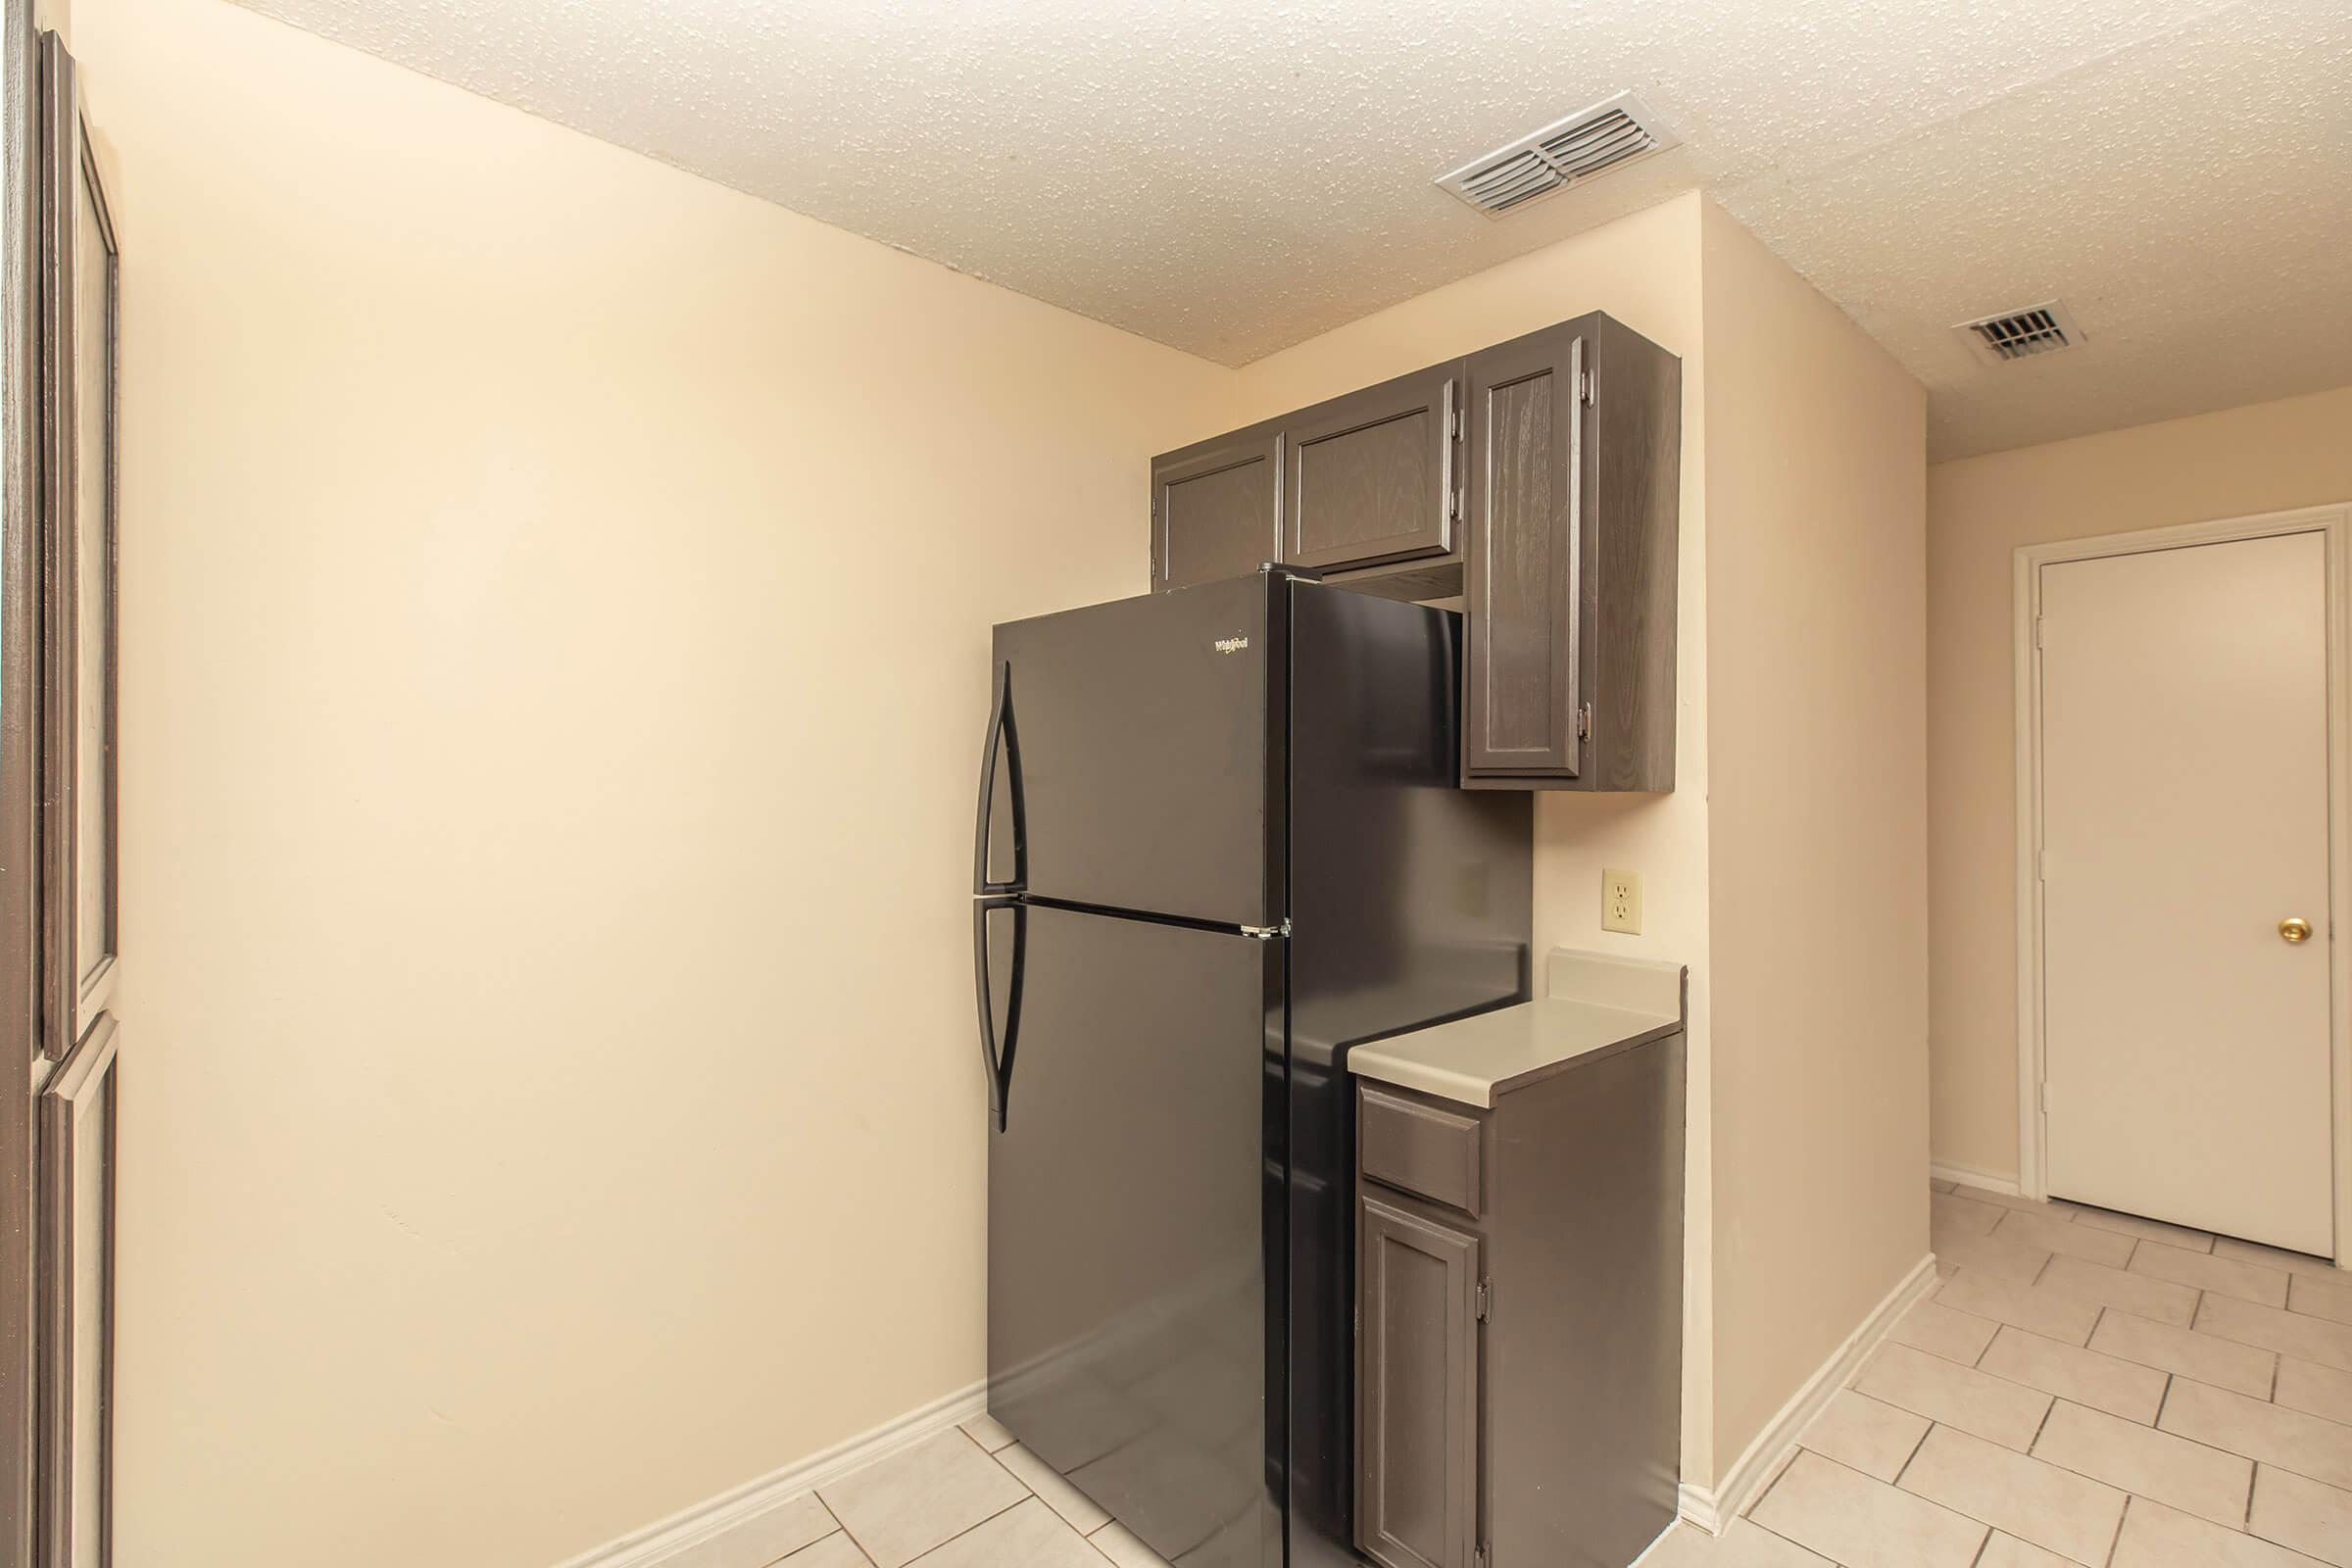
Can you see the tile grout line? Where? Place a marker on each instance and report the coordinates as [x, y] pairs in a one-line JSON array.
[[1777, 1536], [2042, 1426], [2028, 1452], [1086, 1536], [1904, 1468], [1875, 1482], [2179, 1437], [2190, 1327], [1772, 1486], [2117, 1545], [916, 1560], [1028, 1496], [1978, 1366], [842, 1530]]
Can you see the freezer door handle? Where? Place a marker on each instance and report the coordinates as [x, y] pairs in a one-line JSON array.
[[1004, 738], [998, 1053]]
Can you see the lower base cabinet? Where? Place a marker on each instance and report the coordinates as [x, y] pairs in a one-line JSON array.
[[1519, 1318], [1418, 1406]]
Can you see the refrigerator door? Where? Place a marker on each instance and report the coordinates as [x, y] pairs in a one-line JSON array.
[[1409, 902], [1134, 1214], [1127, 757]]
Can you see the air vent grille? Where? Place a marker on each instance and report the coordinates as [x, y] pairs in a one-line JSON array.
[[2043, 328], [1520, 177], [1608, 136]]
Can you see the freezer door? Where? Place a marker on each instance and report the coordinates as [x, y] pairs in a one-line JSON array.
[[1135, 1212], [1126, 761]]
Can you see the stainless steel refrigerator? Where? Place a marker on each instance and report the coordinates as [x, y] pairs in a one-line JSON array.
[[1219, 842]]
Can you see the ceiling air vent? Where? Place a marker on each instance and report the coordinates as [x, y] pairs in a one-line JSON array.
[[2043, 328], [1608, 136]]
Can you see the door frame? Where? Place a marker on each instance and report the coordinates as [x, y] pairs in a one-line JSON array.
[[2334, 524], [21, 523]]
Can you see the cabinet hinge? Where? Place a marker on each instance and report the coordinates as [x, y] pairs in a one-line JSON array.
[[1584, 389], [1453, 504], [1486, 1299], [1268, 933], [1583, 722], [2038, 631], [1480, 1559], [1457, 422]]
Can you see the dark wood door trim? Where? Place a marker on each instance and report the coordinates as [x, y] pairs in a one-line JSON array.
[[75, 985], [78, 1141], [20, 877]]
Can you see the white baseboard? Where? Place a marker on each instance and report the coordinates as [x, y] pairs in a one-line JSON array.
[[1712, 1508], [1709, 1508], [1969, 1176], [717, 1517]]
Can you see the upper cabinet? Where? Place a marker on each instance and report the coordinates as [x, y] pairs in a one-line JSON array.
[[1374, 476], [1539, 480], [1216, 507], [1575, 436]]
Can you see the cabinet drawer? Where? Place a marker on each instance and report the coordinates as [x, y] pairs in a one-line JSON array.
[[1420, 1150]]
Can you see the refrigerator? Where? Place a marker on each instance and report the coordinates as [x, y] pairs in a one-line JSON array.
[[1218, 844]]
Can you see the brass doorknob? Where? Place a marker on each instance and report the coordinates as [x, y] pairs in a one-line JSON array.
[[2294, 928]]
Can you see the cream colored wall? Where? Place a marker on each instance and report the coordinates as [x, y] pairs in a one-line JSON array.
[[554, 606], [2265, 458], [1642, 269], [1816, 832], [483, 485]]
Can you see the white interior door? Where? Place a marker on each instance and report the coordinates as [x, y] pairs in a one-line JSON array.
[[2185, 817]]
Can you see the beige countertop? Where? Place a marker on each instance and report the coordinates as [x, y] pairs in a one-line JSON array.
[[1597, 1002]]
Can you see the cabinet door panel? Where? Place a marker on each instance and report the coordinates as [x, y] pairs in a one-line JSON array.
[[1525, 569], [1417, 1391], [1371, 475], [1215, 509]]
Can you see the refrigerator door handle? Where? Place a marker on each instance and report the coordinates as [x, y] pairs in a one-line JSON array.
[[1001, 736], [998, 1054]]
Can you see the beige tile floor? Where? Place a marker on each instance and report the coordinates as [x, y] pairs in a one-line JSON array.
[[2083, 1387], [968, 1498]]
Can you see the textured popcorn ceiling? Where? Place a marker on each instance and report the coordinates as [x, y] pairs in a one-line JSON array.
[[1232, 176]]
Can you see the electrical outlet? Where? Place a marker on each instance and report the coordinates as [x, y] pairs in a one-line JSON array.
[[1621, 901]]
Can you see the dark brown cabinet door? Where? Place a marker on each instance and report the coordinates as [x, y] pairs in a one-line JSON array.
[[1522, 584], [1539, 480], [1417, 1391], [1372, 476], [1216, 507]]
